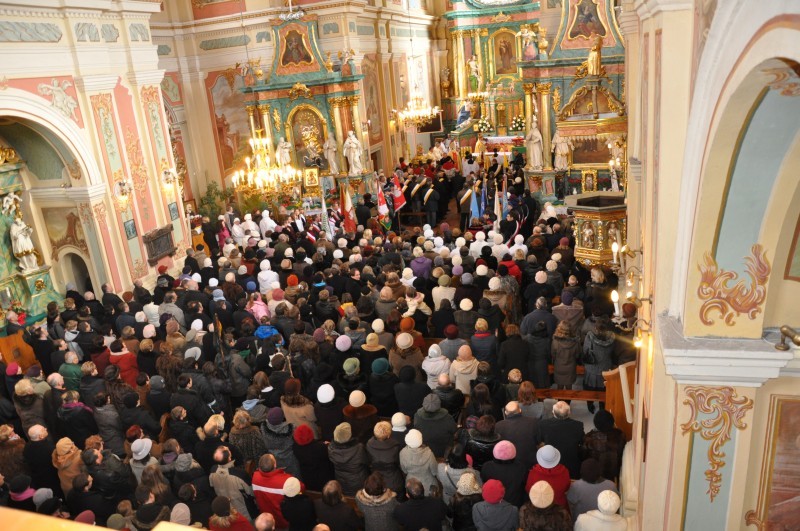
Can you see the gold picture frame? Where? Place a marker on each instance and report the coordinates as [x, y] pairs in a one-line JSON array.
[[310, 178], [588, 181], [783, 431]]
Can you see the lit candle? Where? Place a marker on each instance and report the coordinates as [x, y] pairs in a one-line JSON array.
[[615, 251], [615, 300]]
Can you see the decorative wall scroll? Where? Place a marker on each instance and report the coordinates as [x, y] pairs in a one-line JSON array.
[[727, 411], [731, 301], [779, 490]]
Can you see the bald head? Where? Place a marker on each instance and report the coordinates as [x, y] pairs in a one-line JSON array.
[[37, 432], [512, 408], [265, 522], [444, 379]]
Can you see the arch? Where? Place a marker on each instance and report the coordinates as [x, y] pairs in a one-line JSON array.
[[20, 104], [724, 101], [72, 267]]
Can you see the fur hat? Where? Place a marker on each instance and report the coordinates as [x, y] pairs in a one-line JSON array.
[[414, 439], [378, 326], [350, 365], [406, 324], [541, 495], [465, 305], [466, 279], [504, 451], [468, 485], [608, 502], [399, 421], [64, 446], [540, 277], [493, 491], [343, 343], [342, 433], [404, 341], [303, 435], [357, 398], [325, 393], [482, 270]]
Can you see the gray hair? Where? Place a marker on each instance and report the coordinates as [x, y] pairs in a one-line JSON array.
[[561, 410]]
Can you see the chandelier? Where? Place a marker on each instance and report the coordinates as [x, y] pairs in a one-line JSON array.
[[417, 113], [262, 174]]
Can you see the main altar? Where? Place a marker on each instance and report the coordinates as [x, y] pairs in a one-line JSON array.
[[303, 111], [507, 88]]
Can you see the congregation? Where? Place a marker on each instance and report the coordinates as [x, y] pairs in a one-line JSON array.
[[297, 375]]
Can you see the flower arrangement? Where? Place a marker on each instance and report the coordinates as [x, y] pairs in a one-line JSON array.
[[17, 307], [484, 126], [518, 123]]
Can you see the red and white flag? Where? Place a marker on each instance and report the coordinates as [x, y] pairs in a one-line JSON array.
[[383, 209], [348, 214], [397, 192]]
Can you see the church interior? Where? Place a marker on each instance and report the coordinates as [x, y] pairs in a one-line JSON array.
[[669, 129]]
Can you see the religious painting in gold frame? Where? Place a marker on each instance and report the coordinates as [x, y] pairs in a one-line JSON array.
[[588, 181], [296, 55], [778, 493], [503, 53], [306, 131], [310, 178]]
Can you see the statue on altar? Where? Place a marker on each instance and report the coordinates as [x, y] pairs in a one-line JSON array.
[[562, 146], [284, 154], [595, 59], [352, 152], [329, 148], [533, 147], [20, 232], [528, 38], [475, 77]]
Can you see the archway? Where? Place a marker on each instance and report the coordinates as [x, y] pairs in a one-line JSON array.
[[72, 268]]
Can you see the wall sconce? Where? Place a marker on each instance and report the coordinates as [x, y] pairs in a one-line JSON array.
[[792, 334], [635, 300], [627, 251], [169, 177], [631, 276], [122, 192], [637, 336]]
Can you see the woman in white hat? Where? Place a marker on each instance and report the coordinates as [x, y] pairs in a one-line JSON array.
[[417, 461]]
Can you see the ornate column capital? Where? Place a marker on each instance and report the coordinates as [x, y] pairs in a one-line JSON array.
[[529, 88], [262, 107], [544, 88]]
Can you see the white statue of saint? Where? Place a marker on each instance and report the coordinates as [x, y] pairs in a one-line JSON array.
[[437, 152], [561, 147], [475, 78], [352, 152], [22, 245], [284, 155], [329, 149], [533, 146]]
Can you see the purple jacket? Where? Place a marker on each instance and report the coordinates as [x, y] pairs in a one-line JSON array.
[[421, 267]]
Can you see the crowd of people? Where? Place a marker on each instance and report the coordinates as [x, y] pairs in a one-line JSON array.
[[293, 377]]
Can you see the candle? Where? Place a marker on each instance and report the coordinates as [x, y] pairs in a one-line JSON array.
[[615, 251], [615, 300]]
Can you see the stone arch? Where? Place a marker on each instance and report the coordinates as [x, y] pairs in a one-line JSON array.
[[730, 98], [20, 104]]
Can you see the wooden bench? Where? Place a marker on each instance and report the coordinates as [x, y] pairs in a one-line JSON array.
[[571, 394], [407, 214], [580, 370]]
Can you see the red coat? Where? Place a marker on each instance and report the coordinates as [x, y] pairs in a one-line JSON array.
[[240, 524], [557, 477], [513, 270], [128, 366], [268, 490]]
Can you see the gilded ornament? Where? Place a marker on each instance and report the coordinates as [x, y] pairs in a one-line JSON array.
[[299, 90], [529, 88], [731, 301], [230, 76], [39, 284], [151, 94], [544, 88], [74, 169], [728, 412], [501, 17], [276, 117], [556, 101], [8, 155]]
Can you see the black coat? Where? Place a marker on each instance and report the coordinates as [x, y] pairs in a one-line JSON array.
[[315, 467], [159, 402], [90, 386], [427, 513], [197, 413], [39, 456], [539, 361], [521, 431], [410, 396], [381, 392], [566, 435], [299, 512], [512, 474], [90, 501], [452, 399], [340, 517], [514, 353], [112, 484], [384, 458], [76, 423], [329, 416], [137, 415], [184, 433], [461, 511]]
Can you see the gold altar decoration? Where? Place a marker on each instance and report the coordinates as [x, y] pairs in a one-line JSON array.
[[501, 17], [729, 410], [600, 219], [417, 113], [39, 284], [8, 156], [299, 90], [741, 298]]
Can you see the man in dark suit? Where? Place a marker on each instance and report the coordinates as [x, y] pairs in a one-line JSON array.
[[109, 297], [566, 435], [521, 431]]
